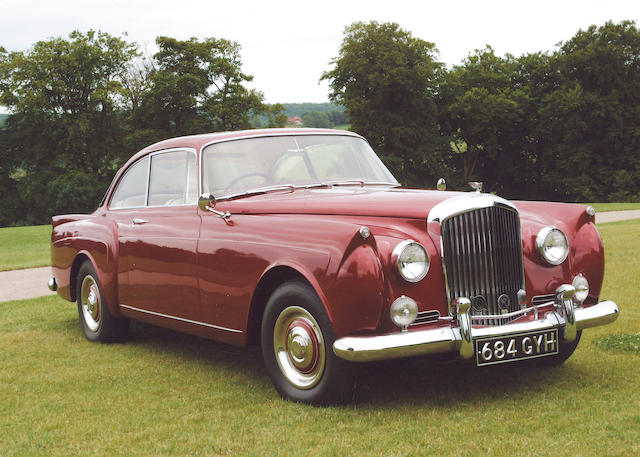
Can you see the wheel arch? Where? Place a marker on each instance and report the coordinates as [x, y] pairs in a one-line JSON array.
[[107, 290], [269, 282], [80, 258]]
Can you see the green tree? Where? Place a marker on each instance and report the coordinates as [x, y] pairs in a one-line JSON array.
[[198, 86], [65, 98], [316, 119], [337, 117], [483, 110], [593, 117], [387, 80]]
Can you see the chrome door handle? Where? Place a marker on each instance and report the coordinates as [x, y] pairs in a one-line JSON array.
[[137, 221]]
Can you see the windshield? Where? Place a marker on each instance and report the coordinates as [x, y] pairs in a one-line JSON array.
[[237, 166]]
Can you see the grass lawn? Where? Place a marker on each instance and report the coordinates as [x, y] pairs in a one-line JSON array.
[[25, 247], [604, 207], [163, 393]]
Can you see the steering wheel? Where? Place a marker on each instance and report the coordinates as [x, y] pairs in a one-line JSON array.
[[241, 177]]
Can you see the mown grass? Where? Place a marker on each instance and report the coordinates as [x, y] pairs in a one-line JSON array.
[[163, 393], [604, 207], [25, 247]]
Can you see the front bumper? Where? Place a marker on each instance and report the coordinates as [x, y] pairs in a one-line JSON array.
[[458, 337]]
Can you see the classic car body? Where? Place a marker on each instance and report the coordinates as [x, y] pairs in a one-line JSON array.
[[303, 241]]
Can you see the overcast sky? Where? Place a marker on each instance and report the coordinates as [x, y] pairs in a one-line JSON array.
[[287, 45]]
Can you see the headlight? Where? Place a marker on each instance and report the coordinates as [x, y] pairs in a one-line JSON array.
[[404, 311], [553, 245], [581, 285], [411, 259]]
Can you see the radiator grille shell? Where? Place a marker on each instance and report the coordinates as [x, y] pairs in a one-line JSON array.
[[482, 258]]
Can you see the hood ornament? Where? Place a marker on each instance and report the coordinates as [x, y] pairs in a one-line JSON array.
[[442, 184], [476, 185]]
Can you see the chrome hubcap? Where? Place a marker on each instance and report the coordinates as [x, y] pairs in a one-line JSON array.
[[90, 301], [299, 347]]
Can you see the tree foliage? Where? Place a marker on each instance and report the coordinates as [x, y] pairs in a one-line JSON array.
[[65, 96], [596, 156], [386, 79], [562, 126], [317, 119], [198, 86], [81, 106]]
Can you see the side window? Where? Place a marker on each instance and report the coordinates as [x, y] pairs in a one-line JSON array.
[[132, 188], [173, 179]]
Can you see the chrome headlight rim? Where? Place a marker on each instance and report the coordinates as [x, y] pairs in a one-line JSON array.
[[397, 257], [543, 247]]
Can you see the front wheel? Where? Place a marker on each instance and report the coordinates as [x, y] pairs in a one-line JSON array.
[[564, 352], [97, 322], [297, 347]]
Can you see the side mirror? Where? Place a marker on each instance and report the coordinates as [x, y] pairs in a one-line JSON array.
[[207, 202], [441, 185]]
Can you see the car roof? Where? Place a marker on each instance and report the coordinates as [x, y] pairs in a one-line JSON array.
[[197, 142]]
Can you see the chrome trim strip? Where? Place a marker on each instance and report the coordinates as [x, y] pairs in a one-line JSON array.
[[540, 300], [449, 339], [189, 321], [464, 203], [427, 317], [524, 311]]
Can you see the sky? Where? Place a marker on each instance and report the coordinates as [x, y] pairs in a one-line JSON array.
[[287, 45]]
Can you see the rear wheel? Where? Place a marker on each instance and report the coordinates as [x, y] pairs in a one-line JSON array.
[[95, 319], [297, 347]]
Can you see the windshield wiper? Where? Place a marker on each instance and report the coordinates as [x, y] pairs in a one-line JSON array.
[[360, 182], [292, 188], [259, 191]]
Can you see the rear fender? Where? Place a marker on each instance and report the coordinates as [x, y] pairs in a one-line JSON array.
[[96, 244]]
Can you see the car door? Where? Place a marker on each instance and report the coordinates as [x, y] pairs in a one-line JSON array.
[[157, 238]]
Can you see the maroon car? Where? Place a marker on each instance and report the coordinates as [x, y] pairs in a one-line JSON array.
[[303, 241]]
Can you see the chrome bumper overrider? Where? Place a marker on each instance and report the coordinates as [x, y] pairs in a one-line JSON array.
[[459, 336]]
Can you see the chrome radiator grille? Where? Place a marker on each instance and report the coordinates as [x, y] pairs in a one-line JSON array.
[[482, 251]]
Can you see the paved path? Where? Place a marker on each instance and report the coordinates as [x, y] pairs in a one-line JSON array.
[[614, 216], [21, 284], [32, 282]]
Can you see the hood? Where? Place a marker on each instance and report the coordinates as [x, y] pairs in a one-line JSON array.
[[344, 201], [385, 202]]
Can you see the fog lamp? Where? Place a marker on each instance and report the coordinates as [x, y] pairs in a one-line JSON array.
[[581, 285], [404, 311]]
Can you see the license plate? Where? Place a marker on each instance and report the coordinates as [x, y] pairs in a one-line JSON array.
[[518, 346]]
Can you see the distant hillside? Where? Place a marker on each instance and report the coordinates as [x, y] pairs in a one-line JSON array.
[[3, 117], [299, 109]]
